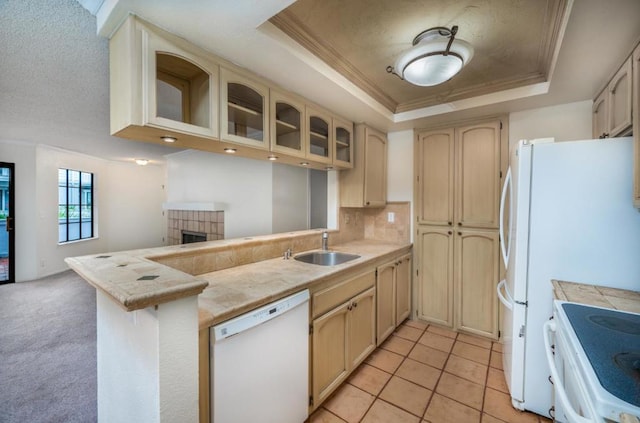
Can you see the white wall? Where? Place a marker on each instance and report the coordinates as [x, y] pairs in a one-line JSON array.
[[565, 122], [291, 200], [243, 185], [400, 166]]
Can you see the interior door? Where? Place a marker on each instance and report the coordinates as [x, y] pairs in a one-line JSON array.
[[7, 223]]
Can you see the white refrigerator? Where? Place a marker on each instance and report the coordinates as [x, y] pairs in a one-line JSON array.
[[571, 218]]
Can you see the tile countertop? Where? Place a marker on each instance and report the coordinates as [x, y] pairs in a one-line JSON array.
[[239, 289], [599, 296]]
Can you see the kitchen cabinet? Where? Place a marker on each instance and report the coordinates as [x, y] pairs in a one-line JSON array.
[[244, 110], [366, 184], [612, 111], [319, 135], [343, 144], [287, 124], [458, 176], [476, 275], [159, 84], [393, 291], [343, 332], [636, 126]]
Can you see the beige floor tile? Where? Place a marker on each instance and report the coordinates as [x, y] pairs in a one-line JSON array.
[[442, 331], [349, 403], [445, 410], [321, 415], [496, 380], [415, 324], [385, 360], [498, 404], [496, 360], [486, 418], [382, 412], [398, 345], [467, 369], [544, 419], [419, 373], [461, 390], [407, 332], [471, 352], [369, 378], [497, 346], [406, 395], [430, 356], [436, 341], [475, 340]]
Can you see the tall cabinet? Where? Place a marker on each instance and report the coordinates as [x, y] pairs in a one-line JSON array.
[[458, 178]]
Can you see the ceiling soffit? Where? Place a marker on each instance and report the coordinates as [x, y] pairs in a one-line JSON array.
[[515, 43]]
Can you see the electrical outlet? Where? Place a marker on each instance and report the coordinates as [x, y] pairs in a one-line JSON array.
[[391, 217]]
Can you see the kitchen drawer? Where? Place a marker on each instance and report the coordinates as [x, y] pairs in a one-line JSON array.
[[328, 298]]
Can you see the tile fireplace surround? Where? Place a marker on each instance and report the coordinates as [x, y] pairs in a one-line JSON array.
[[210, 223]]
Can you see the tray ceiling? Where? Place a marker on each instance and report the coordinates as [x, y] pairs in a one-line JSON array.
[[514, 41]]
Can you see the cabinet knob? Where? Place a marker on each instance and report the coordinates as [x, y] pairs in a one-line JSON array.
[[355, 305], [459, 223], [368, 202], [450, 223], [350, 307], [450, 233], [460, 233]]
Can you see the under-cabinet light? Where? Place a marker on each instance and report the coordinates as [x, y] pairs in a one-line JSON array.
[[167, 138], [272, 157], [230, 150], [304, 163], [142, 162]]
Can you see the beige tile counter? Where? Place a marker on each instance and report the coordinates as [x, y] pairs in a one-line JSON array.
[[239, 289], [599, 296]]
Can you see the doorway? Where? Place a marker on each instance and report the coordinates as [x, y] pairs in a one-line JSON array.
[[7, 223]]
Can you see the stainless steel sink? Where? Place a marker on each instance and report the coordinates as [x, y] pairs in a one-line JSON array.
[[326, 258]]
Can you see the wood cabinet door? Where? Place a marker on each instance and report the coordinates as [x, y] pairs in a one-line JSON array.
[[385, 299], [287, 124], [600, 118], [477, 175], [435, 275], [330, 346], [435, 177], [362, 327], [375, 177], [476, 276], [403, 289], [620, 100], [636, 126]]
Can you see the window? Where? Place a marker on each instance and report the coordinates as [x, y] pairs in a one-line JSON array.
[[75, 205]]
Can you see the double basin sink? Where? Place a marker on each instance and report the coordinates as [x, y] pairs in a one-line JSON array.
[[326, 258]]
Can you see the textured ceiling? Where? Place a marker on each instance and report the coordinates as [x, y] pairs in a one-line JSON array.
[[514, 42]]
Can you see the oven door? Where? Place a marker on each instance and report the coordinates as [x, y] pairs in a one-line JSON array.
[[571, 402]]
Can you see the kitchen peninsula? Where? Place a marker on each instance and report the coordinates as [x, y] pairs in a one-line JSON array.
[[153, 306]]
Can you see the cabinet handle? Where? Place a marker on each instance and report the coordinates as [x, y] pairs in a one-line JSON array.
[[450, 223], [459, 223], [460, 233], [450, 232]]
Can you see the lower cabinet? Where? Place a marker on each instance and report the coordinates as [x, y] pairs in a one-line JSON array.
[[342, 338], [393, 291]]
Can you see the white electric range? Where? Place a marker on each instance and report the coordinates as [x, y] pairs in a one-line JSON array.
[[594, 358]]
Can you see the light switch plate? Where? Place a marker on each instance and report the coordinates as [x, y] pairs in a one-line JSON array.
[[391, 217]]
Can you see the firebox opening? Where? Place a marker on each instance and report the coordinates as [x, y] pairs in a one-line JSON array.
[[188, 237]]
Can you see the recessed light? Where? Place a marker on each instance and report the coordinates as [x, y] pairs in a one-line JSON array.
[[142, 162], [230, 150], [272, 157], [328, 168], [167, 138], [304, 163]]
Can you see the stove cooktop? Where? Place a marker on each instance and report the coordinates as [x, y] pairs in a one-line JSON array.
[[611, 342]]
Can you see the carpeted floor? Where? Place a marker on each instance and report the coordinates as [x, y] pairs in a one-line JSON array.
[[48, 351]]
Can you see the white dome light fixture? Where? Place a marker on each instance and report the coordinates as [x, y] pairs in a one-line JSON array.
[[436, 57]]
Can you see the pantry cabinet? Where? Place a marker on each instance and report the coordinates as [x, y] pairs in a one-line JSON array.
[[393, 290], [343, 332], [435, 177], [366, 184]]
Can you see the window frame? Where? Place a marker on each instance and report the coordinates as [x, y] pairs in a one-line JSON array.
[[81, 195]]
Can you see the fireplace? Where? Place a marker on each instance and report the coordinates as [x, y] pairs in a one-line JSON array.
[[188, 237]]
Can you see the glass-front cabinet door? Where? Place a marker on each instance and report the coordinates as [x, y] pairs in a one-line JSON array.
[[182, 89], [244, 110], [343, 154], [319, 136], [287, 124]]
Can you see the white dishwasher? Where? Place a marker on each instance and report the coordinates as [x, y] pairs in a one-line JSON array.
[[260, 364]]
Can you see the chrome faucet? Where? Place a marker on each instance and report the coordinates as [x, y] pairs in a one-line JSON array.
[[287, 254], [325, 240]]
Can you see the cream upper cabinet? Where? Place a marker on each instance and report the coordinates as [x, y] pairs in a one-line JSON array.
[[636, 126], [435, 177], [343, 145], [287, 124], [600, 117], [620, 95], [476, 276], [160, 85], [435, 275], [366, 184], [319, 135], [244, 110], [477, 192]]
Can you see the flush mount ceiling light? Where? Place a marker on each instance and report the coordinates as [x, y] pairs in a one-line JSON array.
[[169, 139], [142, 162], [436, 56]]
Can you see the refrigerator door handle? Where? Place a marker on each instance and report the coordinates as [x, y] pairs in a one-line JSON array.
[[504, 299], [505, 250]]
